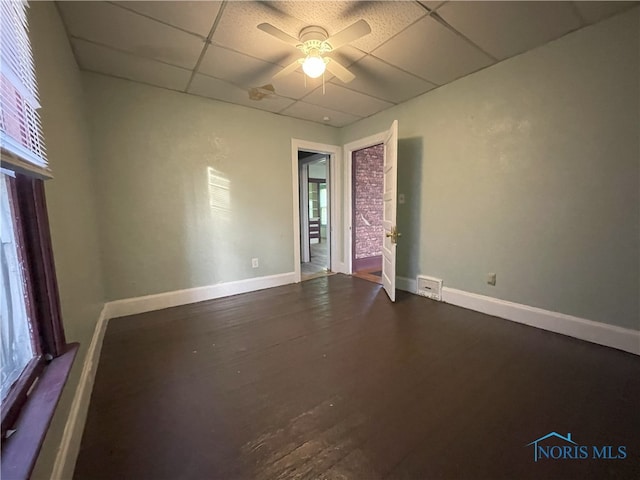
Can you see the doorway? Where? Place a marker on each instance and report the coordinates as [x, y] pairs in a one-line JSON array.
[[367, 196], [387, 142], [333, 156], [315, 215]]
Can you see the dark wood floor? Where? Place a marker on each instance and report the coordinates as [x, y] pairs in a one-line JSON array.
[[371, 274], [328, 379], [319, 265]]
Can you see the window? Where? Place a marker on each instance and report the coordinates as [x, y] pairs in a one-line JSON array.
[[318, 199], [323, 204], [35, 356], [20, 133], [15, 334]]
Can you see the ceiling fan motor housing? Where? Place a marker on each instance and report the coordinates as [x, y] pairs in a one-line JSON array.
[[313, 40]]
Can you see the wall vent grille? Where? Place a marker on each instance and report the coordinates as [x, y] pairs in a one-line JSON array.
[[430, 287]]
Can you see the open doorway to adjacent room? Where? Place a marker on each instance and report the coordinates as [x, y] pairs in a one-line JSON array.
[[367, 184], [315, 218]]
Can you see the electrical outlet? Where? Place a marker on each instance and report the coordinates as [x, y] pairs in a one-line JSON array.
[[254, 263], [401, 198], [491, 278]]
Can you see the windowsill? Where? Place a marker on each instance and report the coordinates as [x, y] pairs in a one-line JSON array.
[[20, 450]]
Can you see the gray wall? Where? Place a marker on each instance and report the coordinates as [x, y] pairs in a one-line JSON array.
[[530, 169], [167, 223], [70, 199]]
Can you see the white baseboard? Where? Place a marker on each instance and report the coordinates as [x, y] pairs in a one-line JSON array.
[[407, 284], [68, 450], [595, 332], [148, 303]]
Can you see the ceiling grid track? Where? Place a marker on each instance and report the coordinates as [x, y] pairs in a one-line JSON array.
[[436, 16], [126, 52], [403, 30], [207, 42], [184, 30], [403, 70], [141, 82]]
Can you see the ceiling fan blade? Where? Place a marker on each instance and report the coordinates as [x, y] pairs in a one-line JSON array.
[[349, 34], [339, 71], [292, 67], [279, 34]]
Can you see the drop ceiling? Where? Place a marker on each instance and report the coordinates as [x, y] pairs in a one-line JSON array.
[[214, 50]]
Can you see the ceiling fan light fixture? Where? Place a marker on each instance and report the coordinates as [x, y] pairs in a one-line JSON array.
[[314, 42], [313, 65]]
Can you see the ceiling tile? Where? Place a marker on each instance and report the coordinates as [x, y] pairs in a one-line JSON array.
[[97, 58], [595, 11], [110, 25], [376, 78], [315, 113], [443, 55], [297, 85], [385, 18], [404, 39], [504, 29], [220, 90], [343, 100], [236, 67], [196, 17], [238, 30]]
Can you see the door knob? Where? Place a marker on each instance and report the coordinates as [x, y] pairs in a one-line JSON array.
[[394, 234]]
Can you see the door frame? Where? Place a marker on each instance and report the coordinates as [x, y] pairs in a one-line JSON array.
[[303, 182], [334, 163], [349, 148]]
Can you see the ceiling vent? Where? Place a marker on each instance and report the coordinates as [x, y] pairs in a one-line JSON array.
[[430, 287]]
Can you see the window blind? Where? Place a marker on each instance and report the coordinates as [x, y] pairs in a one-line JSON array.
[[21, 138]]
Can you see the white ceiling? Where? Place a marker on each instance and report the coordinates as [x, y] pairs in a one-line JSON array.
[[213, 49]]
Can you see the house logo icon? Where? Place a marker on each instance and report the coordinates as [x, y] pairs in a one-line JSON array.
[[570, 450], [545, 437]]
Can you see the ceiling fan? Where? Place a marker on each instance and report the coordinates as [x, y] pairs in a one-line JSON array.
[[314, 43]]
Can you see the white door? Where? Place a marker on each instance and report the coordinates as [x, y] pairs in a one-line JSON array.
[[304, 213], [391, 234]]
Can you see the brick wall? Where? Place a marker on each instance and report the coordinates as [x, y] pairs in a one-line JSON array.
[[368, 182]]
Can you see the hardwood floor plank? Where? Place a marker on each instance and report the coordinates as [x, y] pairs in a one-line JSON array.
[[328, 379]]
